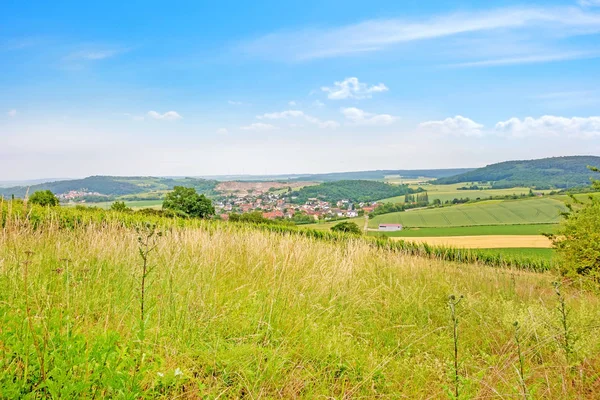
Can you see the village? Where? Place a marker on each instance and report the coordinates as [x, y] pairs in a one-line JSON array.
[[276, 205]]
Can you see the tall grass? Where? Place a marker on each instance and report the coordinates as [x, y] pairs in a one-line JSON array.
[[233, 311]]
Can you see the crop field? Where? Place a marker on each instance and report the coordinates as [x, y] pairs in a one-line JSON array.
[[135, 204], [545, 253], [485, 241], [235, 312], [533, 229], [507, 212], [450, 192]]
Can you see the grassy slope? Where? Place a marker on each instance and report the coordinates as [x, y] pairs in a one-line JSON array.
[[536, 229], [527, 211], [242, 313]]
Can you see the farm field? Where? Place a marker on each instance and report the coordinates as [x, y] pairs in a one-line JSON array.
[[507, 212], [532, 229], [360, 221], [484, 242], [523, 252], [135, 204], [450, 192]]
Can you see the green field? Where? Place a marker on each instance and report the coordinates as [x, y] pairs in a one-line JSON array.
[[532, 229], [522, 252], [450, 192], [360, 221], [135, 204], [508, 212]]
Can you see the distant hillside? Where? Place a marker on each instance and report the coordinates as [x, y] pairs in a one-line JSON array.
[[355, 190], [338, 176], [546, 173], [113, 186]]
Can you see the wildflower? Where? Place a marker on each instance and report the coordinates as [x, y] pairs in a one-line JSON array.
[[160, 374], [178, 372]]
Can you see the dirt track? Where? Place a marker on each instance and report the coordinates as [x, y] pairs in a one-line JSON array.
[[484, 242]]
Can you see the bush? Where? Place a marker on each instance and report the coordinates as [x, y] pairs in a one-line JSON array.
[[578, 240], [44, 198], [347, 227]]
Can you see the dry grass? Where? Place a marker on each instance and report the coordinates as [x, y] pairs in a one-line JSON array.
[[243, 313]]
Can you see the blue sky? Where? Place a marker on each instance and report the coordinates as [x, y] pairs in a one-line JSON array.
[[203, 88]]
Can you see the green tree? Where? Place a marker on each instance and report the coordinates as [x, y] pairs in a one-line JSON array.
[[347, 227], [44, 198], [577, 242], [119, 206], [188, 201]]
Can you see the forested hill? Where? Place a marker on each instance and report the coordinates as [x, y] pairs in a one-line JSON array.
[[356, 191], [546, 173], [113, 186]]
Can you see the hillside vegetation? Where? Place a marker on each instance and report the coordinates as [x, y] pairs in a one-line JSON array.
[[355, 191], [113, 186], [236, 312], [546, 173]]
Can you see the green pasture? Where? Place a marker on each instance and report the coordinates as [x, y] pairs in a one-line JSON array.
[[508, 212], [450, 192], [527, 252]]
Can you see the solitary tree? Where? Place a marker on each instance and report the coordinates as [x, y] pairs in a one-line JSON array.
[[578, 240], [187, 201], [347, 227], [119, 206], [44, 198]]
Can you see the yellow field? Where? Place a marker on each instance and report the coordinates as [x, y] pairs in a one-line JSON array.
[[485, 242]]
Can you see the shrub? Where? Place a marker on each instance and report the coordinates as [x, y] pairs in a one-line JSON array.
[[347, 227], [44, 198]]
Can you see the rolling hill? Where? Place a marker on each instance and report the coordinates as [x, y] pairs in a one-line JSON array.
[[112, 186], [355, 190], [546, 173]]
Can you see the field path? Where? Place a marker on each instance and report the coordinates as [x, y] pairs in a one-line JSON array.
[[484, 242]]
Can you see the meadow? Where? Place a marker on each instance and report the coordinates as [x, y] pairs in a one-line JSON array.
[[98, 308], [494, 212]]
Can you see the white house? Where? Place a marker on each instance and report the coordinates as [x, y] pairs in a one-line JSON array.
[[390, 227]]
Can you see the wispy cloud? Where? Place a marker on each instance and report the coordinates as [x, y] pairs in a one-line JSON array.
[[456, 126], [377, 35], [12, 113], [168, 116], [300, 114], [222, 131], [589, 3], [359, 117], [234, 103], [258, 126], [550, 125], [531, 59], [352, 88], [94, 54]]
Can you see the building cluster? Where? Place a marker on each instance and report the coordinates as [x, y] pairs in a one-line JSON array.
[[76, 195], [274, 205]]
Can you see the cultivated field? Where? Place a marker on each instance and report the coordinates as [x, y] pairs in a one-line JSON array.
[[533, 229], [450, 192], [485, 242], [233, 312], [506, 212]]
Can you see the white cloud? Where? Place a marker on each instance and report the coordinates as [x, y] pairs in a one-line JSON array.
[[168, 116], [222, 131], [360, 117], [351, 88], [292, 103], [375, 35], [234, 103], [589, 3], [457, 126], [550, 125], [258, 126], [300, 114], [12, 113], [318, 103]]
